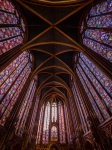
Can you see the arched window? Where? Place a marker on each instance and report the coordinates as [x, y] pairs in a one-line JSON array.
[[61, 123], [34, 113], [54, 134], [25, 107], [13, 78], [96, 27], [80, 105], [97, 86], [46, 124], [67, 125], [39, 131], [54, 112], [49, 129], [13, 28]]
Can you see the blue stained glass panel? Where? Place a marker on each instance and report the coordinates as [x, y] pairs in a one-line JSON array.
[[100, 21], [105, 81], [9, 32], [100, 36], [103, 50], [98, 87], [101, 8], [10, 37], [7, 6]]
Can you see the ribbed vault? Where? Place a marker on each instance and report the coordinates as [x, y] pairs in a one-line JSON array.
[[51, 45]]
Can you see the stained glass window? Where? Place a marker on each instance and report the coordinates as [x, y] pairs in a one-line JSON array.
[[81, 106], [12, 80], [32, 122], [67, 125], [45, 138], [61, 123], [96, 34], [13, 28], [73, 111], [54, 134], [97, 86], [39, 131], [54, 112], [49, 126], [25, 107]]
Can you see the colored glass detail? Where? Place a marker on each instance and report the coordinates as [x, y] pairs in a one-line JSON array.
[[33, 118], [105, 97], [9, 44], [67, 125], [45, 138], [25, 107], [103, 50], [49, 127], [6, 6], [13, 78], [101, 8], [100, 36], [54, 134], [39, 131], [54, 112], [12, 35], [103, 79], [81, 107], [100, 21], [61, 123], [97, 86], [97, 35]]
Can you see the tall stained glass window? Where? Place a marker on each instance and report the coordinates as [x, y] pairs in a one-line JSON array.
[[81, 106], [39, 131], [73, 111], [45, 138], [96, 28], [32, 122], [61, 123], [97, 86], [25, 107], [67, 125], [12, 28], [51, 126], [54, 134], [12, 80], [54, 112]]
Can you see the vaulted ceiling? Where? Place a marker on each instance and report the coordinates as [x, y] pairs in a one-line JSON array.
[[53, 28]]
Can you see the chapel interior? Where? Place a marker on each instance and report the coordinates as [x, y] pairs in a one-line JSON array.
[[55, 74]]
